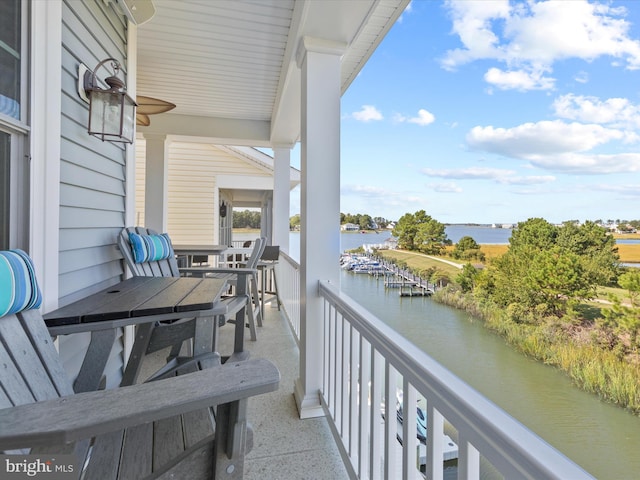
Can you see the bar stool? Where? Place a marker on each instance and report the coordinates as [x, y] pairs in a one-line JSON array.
[[268, 282]]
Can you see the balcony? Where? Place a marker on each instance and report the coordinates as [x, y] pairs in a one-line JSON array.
[[352, 439]]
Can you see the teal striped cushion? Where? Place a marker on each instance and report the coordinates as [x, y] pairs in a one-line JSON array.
[[18, 285], [150, 248]]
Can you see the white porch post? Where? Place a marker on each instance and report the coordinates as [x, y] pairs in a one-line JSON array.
[[281, 187], [46, 71], [319, 61], [156, 182]]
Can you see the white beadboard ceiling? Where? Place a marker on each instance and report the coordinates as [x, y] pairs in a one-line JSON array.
[[230, 65]]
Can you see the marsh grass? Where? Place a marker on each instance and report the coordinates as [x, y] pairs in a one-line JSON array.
[[629, 253], [592, 368]]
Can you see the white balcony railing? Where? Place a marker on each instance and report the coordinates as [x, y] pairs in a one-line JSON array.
[[288, 276], [366, 365]]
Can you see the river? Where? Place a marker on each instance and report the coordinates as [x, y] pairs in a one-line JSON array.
[[602, 438]]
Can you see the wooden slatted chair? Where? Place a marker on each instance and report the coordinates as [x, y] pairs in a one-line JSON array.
[[250, 282], [191, 426], [172, 334]]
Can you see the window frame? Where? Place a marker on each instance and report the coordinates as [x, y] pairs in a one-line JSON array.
[[19, 160]]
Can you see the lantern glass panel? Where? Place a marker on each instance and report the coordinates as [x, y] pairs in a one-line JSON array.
[[112, 116]]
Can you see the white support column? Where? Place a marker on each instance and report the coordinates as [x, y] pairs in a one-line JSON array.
[[320, 206], [45, 87], [156, 182], [132, 82], [281, 187]]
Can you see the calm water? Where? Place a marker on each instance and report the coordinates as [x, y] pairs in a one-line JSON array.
[[603, 439]]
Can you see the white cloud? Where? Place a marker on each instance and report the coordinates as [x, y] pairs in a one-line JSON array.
[[558, 146], [582, 77], [424, 118], [445, 187], [528, 37], [624, 190], [468, 173], [501, 176], [589, 164], [532, 140], [613, 111], [531, 180], [364, 190], [367, 114], [518, 80]]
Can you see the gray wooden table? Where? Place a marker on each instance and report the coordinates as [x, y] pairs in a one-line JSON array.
[[189, 251], [137, 301]]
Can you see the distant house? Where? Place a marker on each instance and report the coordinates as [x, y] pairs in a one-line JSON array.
[[349, 227]]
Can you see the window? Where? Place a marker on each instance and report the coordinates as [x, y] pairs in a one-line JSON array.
[[5, 156], [10, 57], [14, 192]]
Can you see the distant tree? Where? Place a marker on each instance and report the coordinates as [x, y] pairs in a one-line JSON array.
[[365, 222], [533, 235], [466, 278], [381, 222], [627, 317], [418, 231], [547, 268], [596, 249], [294, 222], [246, 219], [631, 282], [467, 249]]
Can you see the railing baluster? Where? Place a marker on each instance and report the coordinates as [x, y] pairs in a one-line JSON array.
[[375, 442], [354, 379], [468, 460], [326, 349], [409, 438], [435, 443], [339, 373], [366, 404], [346, 365], [390, 423]]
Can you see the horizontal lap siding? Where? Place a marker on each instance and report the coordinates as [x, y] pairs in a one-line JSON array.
[[192, 183], [92, 173], [192, 170]]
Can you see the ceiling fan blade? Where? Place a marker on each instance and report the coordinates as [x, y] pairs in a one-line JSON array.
[[152, 106], [142, 119]]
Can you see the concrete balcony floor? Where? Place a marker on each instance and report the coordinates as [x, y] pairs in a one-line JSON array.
[[284, 446]]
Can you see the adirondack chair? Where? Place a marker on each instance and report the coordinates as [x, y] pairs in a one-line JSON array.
[[177, 332], [191, 426], [244, 279], [254, 312]]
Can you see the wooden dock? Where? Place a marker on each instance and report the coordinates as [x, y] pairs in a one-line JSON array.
[[414, 291]]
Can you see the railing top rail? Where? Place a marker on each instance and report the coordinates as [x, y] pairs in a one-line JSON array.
[[512, 448], [289, 259]]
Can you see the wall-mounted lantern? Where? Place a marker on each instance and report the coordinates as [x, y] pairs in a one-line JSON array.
[[112, 113], [223, 209]]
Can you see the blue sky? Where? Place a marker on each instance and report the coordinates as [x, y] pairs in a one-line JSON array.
[[498, 111]]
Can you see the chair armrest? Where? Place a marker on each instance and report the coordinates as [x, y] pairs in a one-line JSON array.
[[86, 415]]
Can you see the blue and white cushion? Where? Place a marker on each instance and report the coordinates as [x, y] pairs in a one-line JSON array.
[[18, 285], [150, 248]]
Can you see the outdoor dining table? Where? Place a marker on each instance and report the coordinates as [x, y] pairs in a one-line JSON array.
[[189, 251], [136, 301]]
